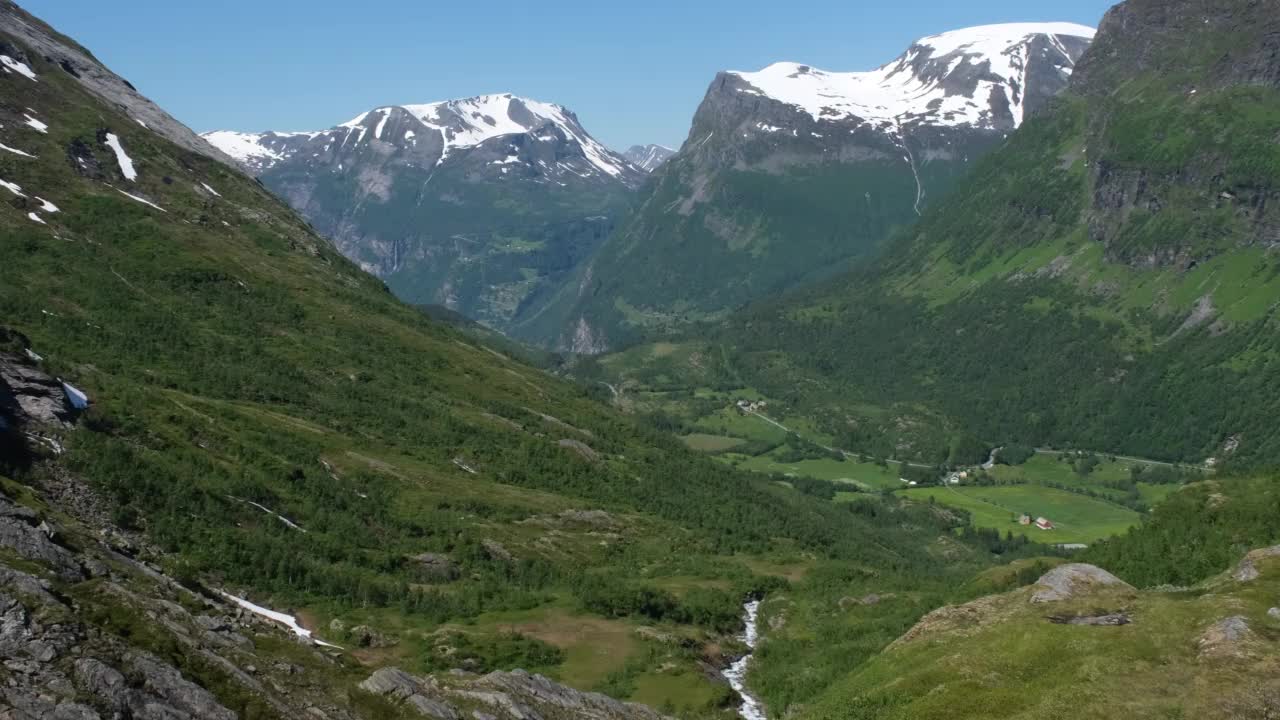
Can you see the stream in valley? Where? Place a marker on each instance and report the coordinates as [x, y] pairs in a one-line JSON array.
[[751, 708]]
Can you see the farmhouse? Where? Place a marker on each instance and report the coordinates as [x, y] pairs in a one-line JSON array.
[[1044, 523], [1024, 519]]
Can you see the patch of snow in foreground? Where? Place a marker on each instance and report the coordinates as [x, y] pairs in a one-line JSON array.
[[35, 218], [34, 356], [77, 398], [126, 162], [215, 192], [12, 187], [288, 621], [144, 201], [141, 123], [20, 68], [47, 206], [37, 125], [16, 151]]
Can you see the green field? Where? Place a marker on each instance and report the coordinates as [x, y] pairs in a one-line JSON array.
[[728, 421], [1079, 519], [865, 475], [711, 443]]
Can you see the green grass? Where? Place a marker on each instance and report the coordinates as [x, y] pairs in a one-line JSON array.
[[868, 476], [1079, 519], [711, 443]]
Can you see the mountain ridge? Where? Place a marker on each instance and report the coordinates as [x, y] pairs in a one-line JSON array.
[[757, 200]]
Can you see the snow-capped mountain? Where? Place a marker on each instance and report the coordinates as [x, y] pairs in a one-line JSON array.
[[479, 204], [443, 130], [648, 157], [790, 173], [983, 77]]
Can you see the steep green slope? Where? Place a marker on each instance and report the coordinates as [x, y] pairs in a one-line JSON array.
[[267, 420], [1105, 280], [793, 174]]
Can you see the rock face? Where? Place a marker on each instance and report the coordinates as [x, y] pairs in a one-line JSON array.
[[515, 695], [1142, 36], [481, 205], [790, 172], [1074, 580], [1226, 638], [648, 157], [28, 395], [111, 88], [1247, 569]]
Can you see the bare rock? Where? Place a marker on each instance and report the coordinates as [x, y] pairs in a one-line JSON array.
[[1226, 638], [28, 395], [496, 550], [21, 531], [165, 684], [1073, 580], [366, 637], [1247, 570], [1107, 620], [420, 694], [96, 678], [435, 566], [581, 448]]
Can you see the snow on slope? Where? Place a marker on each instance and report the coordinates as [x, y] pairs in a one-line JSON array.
[[122, 158], [471, 121], [898, 93], [461, 123], [244, 147]]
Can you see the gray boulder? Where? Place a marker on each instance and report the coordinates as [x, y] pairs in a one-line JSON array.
[[1073, 580], [1247, 570]]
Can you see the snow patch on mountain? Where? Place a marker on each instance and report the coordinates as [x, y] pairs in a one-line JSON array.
[[122, 158], [244, 147], [648, 157], [37, 125], [462, 124], [15, 151], [914, 88], [11, 65]]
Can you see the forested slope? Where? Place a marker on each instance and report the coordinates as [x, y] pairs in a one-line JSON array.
[[1107, 279]]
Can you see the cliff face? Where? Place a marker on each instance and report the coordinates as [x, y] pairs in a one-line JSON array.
[[792, 173], [1180, 130]]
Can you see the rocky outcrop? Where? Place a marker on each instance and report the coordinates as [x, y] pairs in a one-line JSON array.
[[515, 695], [23, 532], [64, 56], [583, 449], [1226, 638], [28, 395], [419, 693], [1074, 580], [1247, 570]]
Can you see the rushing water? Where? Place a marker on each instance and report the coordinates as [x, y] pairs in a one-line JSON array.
[[751, 708]]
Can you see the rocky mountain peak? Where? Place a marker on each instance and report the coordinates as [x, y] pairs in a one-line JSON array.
[[437, 132], [985, 77], [648, 157]]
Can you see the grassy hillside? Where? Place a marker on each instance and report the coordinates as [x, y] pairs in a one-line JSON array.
[[275, 424], [1105, 281], [1206, 649]]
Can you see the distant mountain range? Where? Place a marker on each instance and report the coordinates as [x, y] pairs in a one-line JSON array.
[[648, 157], [506, 210], [481, 205], [790, 172]]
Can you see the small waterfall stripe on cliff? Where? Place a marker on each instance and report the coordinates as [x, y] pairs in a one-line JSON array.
[[751, 708]]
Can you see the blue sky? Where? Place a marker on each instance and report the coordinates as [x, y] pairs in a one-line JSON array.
[[634, 72]]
